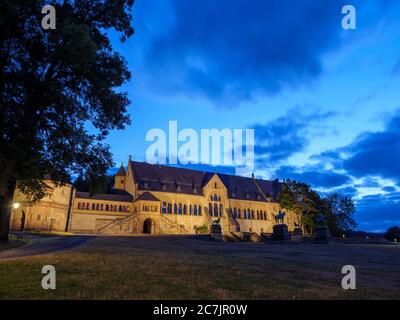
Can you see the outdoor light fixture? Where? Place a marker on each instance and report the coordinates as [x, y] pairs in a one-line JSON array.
[[16, 205]]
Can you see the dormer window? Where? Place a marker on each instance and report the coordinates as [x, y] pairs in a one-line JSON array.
[[194, 190], [164, 187], [247, 196], [178, 188], [146, 185]]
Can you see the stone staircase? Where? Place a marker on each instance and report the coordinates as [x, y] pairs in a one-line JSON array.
[[173, 227], [119, 225]]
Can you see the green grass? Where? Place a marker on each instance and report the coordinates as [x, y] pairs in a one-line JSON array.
[[178, 268]]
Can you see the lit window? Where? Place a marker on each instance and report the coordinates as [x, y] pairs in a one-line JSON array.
[[215, 210]]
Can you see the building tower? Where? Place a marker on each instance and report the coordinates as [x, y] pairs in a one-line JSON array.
[[119, 183]]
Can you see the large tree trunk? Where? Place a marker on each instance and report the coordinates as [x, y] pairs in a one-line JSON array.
[[6, 200]]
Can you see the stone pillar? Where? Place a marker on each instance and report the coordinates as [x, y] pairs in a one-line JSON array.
[[280, 233], [216, 232]]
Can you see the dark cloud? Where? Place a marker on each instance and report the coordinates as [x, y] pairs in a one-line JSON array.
[[376, 153], [281, 138], [378, 212], [233, 50], [314, 176], [389, 189]]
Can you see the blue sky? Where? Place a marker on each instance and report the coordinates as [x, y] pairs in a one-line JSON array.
[[324, 102]]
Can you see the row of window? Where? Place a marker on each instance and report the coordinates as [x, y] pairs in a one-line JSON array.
[[248, 214], [215, 198], [215, 210], [181, 209], [102, 207]]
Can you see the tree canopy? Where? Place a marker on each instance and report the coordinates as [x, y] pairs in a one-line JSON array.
[[54, 84], [308, 204], [392, 234]]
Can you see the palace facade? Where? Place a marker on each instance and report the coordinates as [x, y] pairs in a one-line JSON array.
[[158, 200]]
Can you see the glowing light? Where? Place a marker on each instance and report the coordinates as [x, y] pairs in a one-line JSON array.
[[16, 205]]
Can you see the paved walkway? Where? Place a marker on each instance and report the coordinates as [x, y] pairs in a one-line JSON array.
[[42, 245]]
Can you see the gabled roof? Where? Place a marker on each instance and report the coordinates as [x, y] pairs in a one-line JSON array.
[[121, 171], [147, 196], [154, 177], [168, 179]]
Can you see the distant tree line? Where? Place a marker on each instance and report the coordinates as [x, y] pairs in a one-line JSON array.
[[308, 205], [392, 234]]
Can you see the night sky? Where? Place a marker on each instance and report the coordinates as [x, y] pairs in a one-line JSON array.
[[324, 102]]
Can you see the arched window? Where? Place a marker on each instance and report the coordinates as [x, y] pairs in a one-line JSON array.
[[175, 208], [180, 208], [244, 214], [258, 215], [93, 206], [101, 207], [210, 209], [195, 210], [215, 197], [87, 206], [211, 198], [184, 209], [265, 215], [252, 214], [199, 210], [239, 215], [119, 209], [219, 198], [215, 185], [190, 210], [248, 214], [79, 205], [97, 207], [234, 213], [215, 210], [220, 210], [169, 208], [164, 207]]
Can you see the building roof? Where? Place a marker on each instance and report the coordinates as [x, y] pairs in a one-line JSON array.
[[154, 177], [121, 171], [147, 196], [122, 197]]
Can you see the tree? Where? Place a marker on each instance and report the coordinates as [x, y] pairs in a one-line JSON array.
[[305, 202], [392, 234], [52, 84], [308, 204], [339, 213]]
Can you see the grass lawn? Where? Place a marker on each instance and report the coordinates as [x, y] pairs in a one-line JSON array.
[[168, 267]]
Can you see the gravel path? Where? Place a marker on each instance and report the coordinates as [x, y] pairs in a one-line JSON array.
[[42, 245]]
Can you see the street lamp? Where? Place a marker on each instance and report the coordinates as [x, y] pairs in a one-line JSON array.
[[16, 205]]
